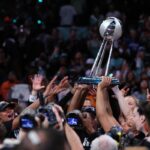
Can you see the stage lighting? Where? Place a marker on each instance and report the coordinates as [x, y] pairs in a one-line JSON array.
[[39, 21], [40, 1]]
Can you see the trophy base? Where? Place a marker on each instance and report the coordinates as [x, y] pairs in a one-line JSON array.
[[95, 80]]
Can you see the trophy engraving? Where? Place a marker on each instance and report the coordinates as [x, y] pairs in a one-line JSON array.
[[110, 30]]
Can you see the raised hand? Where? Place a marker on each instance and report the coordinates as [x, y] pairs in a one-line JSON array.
[[106, 81], [37, 82], [148, 95], [92, 91], [64, 83], [59, 113], [54, 89], [50, 86], [125, 90]]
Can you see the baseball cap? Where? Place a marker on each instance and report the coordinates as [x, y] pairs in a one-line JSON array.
[[4, 105], [89, 109]]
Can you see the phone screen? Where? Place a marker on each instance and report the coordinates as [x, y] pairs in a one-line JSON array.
[[26, 123], [72, 121]]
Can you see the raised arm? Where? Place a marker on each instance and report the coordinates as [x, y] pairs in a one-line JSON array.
[[73, 139], [34, 106], [105, 118], [36, 86], [121, 100], [78, 97]]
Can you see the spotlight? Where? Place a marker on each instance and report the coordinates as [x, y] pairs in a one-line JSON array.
[[14, 20], [40, 1], [39, 21]]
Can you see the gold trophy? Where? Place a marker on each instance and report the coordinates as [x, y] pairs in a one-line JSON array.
[[110, 30]]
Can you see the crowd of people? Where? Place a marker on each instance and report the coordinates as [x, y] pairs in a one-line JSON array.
[[45, 46]]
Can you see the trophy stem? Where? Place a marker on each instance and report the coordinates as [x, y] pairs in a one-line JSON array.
[[97, 58], [101, 59], [109, 57]]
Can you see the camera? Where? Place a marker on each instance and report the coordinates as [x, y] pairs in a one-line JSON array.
[[28, 122], [74, 120], [48, 112]]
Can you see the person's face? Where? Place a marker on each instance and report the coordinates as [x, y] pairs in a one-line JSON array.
[[131, 102], [7, 115], [144, 84], [89, 121], [130, 76], [78, 57], [138, 119]]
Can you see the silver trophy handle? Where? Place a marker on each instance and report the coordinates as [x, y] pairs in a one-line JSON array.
[[101, 60], [98, 58], [109, 57]]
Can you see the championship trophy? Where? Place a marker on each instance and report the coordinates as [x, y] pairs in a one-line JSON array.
[[110, 30]]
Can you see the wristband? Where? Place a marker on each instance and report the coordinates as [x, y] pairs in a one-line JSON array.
[[32, 98]]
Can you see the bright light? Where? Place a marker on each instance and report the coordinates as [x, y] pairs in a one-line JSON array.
[[39, 22], [14, 20], [40, 1]]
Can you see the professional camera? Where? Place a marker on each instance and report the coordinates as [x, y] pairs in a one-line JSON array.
[[48, 112], [74, 120]]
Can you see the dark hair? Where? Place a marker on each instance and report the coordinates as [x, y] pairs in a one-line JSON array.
[[141, 107], [146, 110], [114, 105]]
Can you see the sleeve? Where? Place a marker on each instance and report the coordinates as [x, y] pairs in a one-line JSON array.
[[64, 100]]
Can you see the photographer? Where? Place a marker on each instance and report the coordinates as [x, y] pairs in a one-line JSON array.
[[28, 121], [85, 124]]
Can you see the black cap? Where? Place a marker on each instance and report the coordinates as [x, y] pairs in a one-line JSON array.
[[4, 105], [89, 109]]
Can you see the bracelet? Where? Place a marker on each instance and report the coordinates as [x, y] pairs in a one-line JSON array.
[[32, 98]]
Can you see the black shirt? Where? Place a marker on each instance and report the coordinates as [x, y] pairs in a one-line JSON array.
[[145, 142], [8, 126]]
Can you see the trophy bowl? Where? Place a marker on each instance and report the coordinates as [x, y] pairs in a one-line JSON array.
[[117, 27]]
